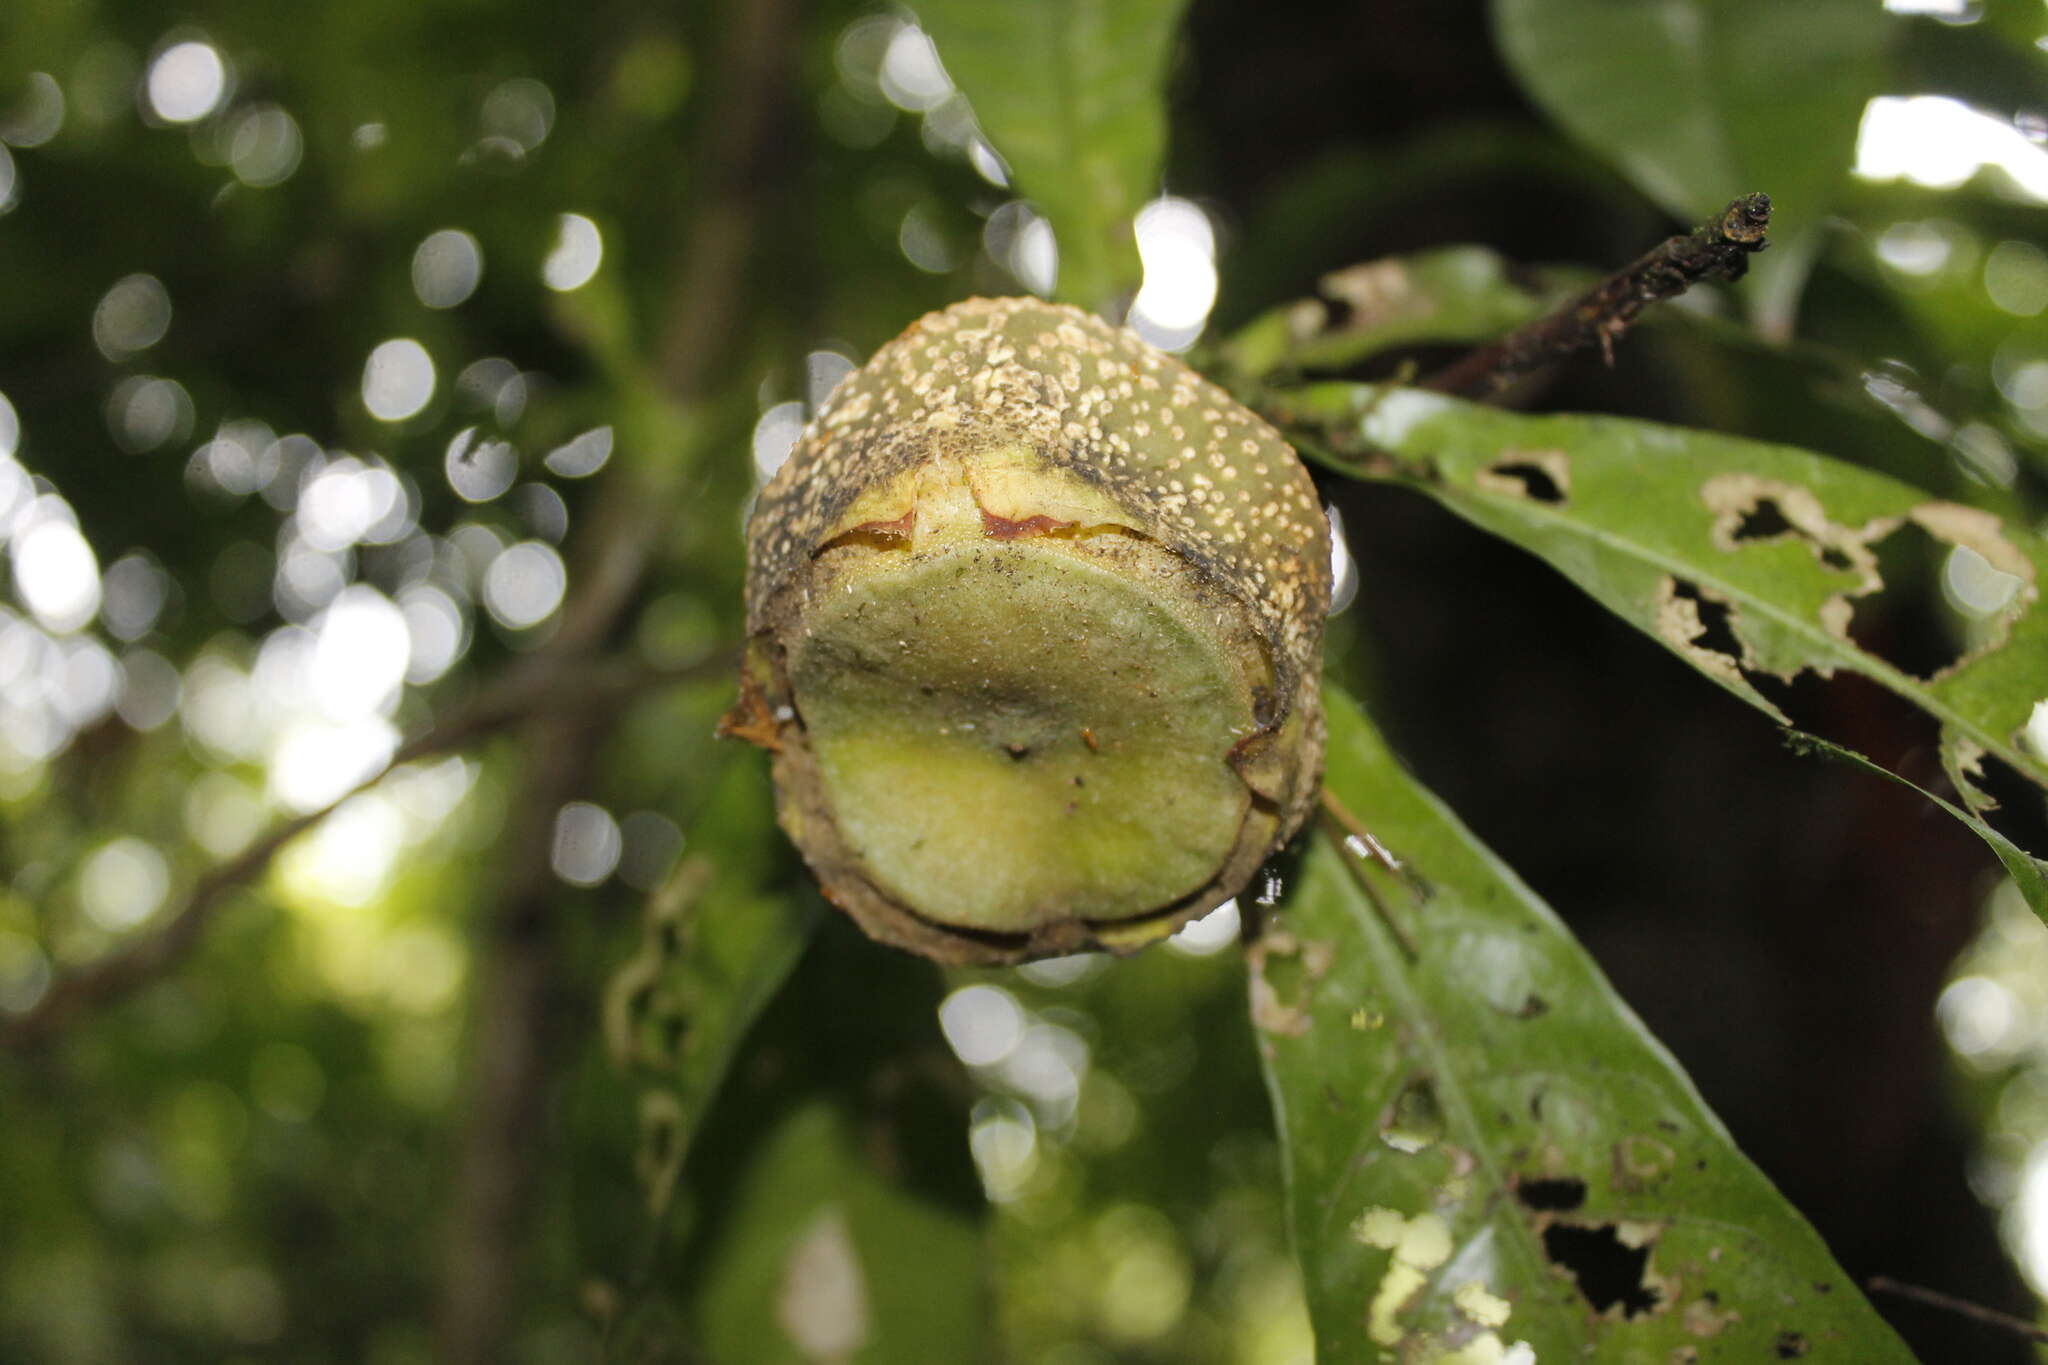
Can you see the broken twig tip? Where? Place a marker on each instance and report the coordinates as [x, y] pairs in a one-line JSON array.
[[1719, 250], [1746, 220]]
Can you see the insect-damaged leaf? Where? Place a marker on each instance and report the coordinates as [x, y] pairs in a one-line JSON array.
[[1742, 558], [1072, 93], [1483, 1145], [1445, 294]]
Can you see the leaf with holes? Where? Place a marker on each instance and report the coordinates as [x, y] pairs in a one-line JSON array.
[[1488, 1158], [715, 947], [1698, 101], [1747, 560], [1446, 295], [1072, 94]]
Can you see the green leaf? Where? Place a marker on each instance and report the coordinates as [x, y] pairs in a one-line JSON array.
[[1445, 295], [1698, 101], [1714, 545], [2029, 874], [716, 945], [824, 1260], [1072, 94], [1484, 1146]]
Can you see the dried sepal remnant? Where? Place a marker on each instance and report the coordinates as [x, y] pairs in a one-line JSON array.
[[1035, 620]]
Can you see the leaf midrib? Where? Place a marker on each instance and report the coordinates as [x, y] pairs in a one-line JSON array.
[[1392, 969]]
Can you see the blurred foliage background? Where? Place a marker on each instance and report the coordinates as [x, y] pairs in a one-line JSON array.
[[387, 383]]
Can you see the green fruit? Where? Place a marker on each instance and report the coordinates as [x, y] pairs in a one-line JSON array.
[[1035, 620]]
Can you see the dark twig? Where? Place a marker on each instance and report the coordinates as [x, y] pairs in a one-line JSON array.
[[124, 970], [1719, 250], [1934, 1298]]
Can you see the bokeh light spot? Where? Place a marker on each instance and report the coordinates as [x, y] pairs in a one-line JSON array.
[[775, 436], [1976, 587], [1940, 143], [222, 814], [439, 631], [581, 455], [575, 256], [446, 268], [983, 1024], [144, 411], [133, 591], [37, 114], [227, 465], [359, 663], [494, 383], [1177, 246], [1917, 248], [525, 584], [316, 762], [264, 146], [521, 110], [24, 973], [1055, 972], [349, 861], [922, 240], [911, 74], [824, 371], [57, 576], [89, 685], [2035, 736], [479, 471], [2016, 278], [348, 502], [150, 689], [122, 883], [131, 317], [398, 379], [1343, 567], [1020, 240], [186, 82], [1980, 1017], [1003, 1138], [1210, 934], [652, 843], [987, 163], [543, 511], [587, 844]]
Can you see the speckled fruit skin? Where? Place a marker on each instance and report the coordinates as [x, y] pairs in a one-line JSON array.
[[1084, 451]]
